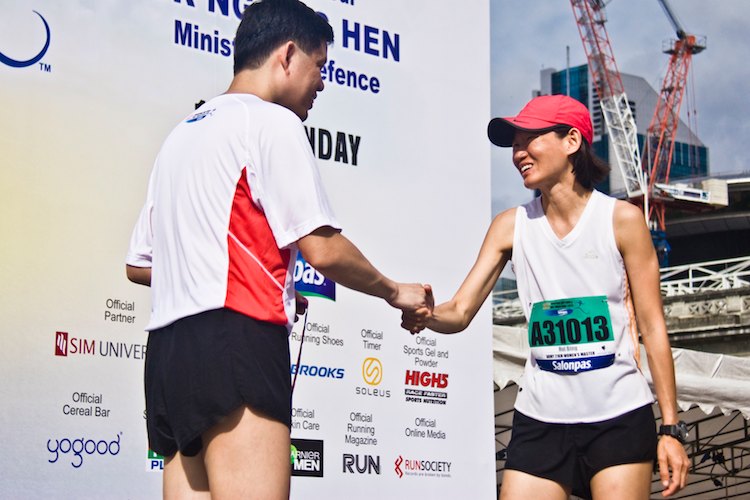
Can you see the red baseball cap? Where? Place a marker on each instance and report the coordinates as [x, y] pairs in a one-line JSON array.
[[540, 114]]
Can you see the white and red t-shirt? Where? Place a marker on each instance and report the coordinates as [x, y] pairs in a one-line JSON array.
[[233, 188]]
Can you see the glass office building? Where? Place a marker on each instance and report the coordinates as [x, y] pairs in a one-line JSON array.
[[690, 157]]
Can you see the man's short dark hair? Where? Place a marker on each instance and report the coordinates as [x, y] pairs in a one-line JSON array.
[[267, 24]]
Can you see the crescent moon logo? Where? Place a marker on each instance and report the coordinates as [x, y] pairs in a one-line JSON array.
[[23, 64]]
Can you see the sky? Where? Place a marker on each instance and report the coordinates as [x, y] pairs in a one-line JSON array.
[[530, 35]]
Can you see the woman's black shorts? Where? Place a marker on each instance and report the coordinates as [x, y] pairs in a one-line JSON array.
[[571, 454], [202, 367]]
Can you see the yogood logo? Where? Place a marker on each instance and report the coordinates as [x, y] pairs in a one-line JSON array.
[[307, 457], [317, 371], [309, 282], [362, 464], [418, 467], [20, 63], [80, 447], [154, 461], [372, 371]]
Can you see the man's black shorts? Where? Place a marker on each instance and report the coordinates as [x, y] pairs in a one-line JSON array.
[[202, 367], [571, 454]]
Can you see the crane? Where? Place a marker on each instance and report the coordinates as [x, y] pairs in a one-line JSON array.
[[646, 185], [618, 117], [659, 145]]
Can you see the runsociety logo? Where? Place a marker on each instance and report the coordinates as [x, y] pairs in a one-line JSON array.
[[310, 283], [20, 63], [307, 457], [424, 468], [81, 447]]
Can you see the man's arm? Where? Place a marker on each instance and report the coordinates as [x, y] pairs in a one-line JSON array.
[[140, 275], [338, 259]]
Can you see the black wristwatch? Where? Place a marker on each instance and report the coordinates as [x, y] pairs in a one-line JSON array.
[[678, 431]]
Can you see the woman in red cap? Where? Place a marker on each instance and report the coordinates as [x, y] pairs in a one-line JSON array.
[[588, 281]]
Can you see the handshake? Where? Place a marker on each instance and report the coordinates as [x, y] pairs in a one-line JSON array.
[[416, 303]]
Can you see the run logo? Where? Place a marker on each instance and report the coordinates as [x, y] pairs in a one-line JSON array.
[[361, 464]]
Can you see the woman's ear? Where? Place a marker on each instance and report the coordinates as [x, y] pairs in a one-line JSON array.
[[573, 141]]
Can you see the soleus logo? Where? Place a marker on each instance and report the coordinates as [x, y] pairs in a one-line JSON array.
[[372, 371], [22, 64]]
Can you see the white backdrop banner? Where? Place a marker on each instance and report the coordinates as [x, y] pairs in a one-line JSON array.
[[89, 89]]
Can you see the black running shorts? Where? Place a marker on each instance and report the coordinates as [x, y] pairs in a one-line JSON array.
[[202, 367], [571, 454]]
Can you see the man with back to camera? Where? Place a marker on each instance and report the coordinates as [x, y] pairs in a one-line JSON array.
[[234, 194]]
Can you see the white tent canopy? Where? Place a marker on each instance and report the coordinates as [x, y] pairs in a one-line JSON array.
[[713, 392]]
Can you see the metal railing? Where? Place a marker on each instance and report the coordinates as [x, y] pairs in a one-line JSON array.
[[688, 279]]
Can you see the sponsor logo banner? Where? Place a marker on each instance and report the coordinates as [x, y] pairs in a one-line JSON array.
[[80, 449], [307, 457], [310, 283], [421, 468], [360, 464]]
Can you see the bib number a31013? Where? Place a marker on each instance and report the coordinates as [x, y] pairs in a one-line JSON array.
[[572, 335]]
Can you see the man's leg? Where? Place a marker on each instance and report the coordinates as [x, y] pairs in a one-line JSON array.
[[247, 456], [185, 478], [626, 482], [519, 485]]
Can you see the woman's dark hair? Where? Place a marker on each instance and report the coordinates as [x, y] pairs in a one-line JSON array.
[[588, 168], [266, 24]]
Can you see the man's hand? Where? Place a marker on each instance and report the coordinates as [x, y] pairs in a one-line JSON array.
[[412, 296], [415, 319], [672, 458]]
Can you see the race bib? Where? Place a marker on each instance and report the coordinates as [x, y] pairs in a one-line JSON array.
[[570, 336]]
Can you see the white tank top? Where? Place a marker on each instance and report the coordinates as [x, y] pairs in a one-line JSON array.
[[575, 295]]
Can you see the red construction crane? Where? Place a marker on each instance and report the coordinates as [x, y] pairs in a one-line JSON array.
[[646, 184], [618, 117], [662, 131]]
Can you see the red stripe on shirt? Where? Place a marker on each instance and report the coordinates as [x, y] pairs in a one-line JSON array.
[[250, 289]]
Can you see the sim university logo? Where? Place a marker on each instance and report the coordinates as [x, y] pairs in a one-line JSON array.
[[15, 62]]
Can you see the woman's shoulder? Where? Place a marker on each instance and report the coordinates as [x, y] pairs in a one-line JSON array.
[[506, 217], [627, 213]]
